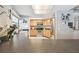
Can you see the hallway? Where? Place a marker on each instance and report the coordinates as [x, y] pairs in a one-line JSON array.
[[21, 44]]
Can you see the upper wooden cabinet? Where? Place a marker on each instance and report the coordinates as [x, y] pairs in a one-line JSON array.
[[33, 22], [46, 22]]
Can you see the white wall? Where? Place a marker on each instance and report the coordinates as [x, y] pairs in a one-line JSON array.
[[24, 25], [62, 29]]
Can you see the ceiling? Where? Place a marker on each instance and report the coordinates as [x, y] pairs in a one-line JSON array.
[[24, 10], [75, 9], [42, 10], [64, 7]]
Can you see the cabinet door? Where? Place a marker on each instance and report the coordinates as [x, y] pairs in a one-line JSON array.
[[33, 33], [33, 22], [46, 22], [47, 33]]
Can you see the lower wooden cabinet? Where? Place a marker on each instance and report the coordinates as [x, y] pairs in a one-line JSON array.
[[47, 33], [33, 33]]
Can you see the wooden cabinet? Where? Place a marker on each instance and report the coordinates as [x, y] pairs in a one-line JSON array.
[[46, 22], [33, 33], [47, 28], [46, 31], [33, 23]]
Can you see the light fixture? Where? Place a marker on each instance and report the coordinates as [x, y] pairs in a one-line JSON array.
[[41, 9]]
